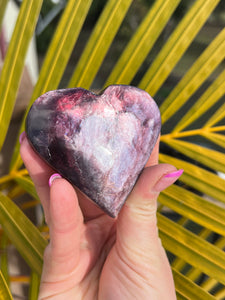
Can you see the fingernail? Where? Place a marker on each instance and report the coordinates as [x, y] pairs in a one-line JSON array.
[[22, 136], [53, 177], [177, 173], [166, 180]]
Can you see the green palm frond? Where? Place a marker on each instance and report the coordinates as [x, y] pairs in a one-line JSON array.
[[14, 61], [4, 289], [191, 214], [57, 57], [211, 158], [176, 46], [3, 4], [193, 79], [187, 289], [142, 42], [99, 42], [25, 236], [197, 252], [34, 286]]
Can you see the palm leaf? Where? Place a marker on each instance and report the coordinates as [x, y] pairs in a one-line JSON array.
[[179, 263], [211, 158], [4, 289], [216, 117], [14, 61], [98, 44], [194, 274], [57, 57], [210, 97], [195, 208], [34, 286], [26, 183], [23, 234], [187, 289], [142, 42], [218, 139], [4, 257], [176, 46], [193, 79], [61, 46], [3, 4], [197, 252]]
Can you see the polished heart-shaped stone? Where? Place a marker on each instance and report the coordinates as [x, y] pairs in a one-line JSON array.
[[98, 142]]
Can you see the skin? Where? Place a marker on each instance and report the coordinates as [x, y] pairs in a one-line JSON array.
[[93, 256]]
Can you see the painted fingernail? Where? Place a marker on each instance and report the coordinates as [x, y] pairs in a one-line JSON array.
[[53, 177], [177, 173], [22, 136], [166, 180]]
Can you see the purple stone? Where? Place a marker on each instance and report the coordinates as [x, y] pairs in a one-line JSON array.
[[100, 143]]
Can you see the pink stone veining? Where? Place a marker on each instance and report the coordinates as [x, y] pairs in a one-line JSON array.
[[100, 143]]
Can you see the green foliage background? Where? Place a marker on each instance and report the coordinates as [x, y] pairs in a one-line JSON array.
[[167, 48]]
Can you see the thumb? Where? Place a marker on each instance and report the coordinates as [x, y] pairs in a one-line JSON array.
[[137, 222]]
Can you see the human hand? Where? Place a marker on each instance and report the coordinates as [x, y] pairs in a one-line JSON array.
[[93, 256]]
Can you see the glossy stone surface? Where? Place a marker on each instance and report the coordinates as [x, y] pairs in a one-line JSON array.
[[100, 143]]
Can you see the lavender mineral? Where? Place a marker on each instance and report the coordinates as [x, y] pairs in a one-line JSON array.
[[98, 142]]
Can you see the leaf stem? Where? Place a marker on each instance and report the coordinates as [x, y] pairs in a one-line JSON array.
[[12, 175], [20, 279], [203, 130]]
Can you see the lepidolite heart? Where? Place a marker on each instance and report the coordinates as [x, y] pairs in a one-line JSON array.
[[100, 143]]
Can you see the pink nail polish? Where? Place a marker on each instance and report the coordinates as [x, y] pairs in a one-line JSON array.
[[177, 173], [53, 177], [22, 136], [167, 180]]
